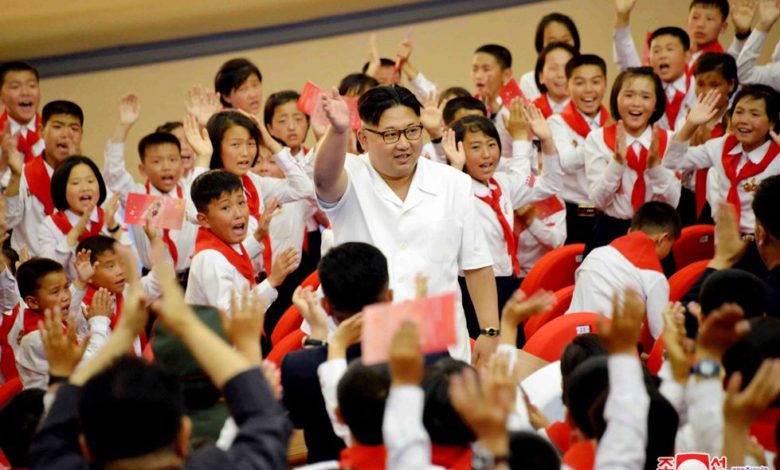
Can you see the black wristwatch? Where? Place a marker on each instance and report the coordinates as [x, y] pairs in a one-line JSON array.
[[114, 229], [490, 331], [743, 36], [706, 368], [436, 140], [309, 342]]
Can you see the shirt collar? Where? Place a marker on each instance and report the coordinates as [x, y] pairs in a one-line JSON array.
[[24, 128], [756, 155], [643, 140], [677, 85], [558, 107], [73, 218], [593, 122]]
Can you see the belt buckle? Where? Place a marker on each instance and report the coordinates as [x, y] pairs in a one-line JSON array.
[[586, 211]]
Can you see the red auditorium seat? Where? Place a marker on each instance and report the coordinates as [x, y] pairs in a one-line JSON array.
[[562, 302], [555, 270], [549, 342], [696, 243], [288, 344]]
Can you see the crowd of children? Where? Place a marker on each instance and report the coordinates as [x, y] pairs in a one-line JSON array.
[[137, 315]]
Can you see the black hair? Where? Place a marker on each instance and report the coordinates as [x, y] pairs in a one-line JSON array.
[[232, 74], [542, 58], [453, 92], [154, 139], [733, 286], [555, 18], [11, 257], [655, 216], [362, 392], [61, 107], [59, 180], [353, 275], [768, 95], [530, 450], [765, 205], [374, 102], [355, 84], [581, 348], [383, 62], [679, 33], [18, 423], [130, 409], [475, 124], [633, 73], [30, 273], [746, 355], [219, 123], [724, 64], [16, 66], [97, 245], [500, 53], [583, 386], [212, 185], [169, 126], [721, 5], [278, 99], [444, 424], [462, 102], [581, 60]]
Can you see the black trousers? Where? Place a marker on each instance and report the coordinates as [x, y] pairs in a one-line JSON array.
[[579, 229], [505, 287]]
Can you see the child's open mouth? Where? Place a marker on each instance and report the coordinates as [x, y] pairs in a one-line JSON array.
[[239, 229]]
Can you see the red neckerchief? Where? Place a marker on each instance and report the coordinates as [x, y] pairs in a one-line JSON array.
[[494, 201], [639, 249], [714, 46], [578, 124], [30, 321], [61, 221], [674, 106], [452, 457], [166, 233], [7, 359], [763, 428], [559, 433], [543, 103], [206, 240], [730, 163], [119, 301], [26, 144], [39, 183], [253, 201], [701, 175], [360, 457], [638, 163], [581, 456]]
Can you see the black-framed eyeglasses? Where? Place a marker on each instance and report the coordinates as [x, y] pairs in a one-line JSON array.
[[394, 135]]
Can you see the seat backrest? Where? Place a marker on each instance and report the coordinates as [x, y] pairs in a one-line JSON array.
[[656, 358], [555, 270], [9, 390], [562, 302], [312, 280], [549, 342], [696, 243], [290, 321], [682, 281], [288, 344]]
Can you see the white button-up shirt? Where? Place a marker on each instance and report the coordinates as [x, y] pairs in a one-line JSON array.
[[570, 148], [431, 232], [25, 214]]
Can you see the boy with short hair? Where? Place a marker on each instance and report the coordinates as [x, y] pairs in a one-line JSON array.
[[222, 260], [491, 69], [587, 83], [240, 85], [288, 124], [453, 110], [634, 261], [20, 94], [161, 164], [28, 194]]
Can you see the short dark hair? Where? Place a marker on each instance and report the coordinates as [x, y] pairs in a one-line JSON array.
[[500, 53], [722, 5], [11, 256], [632, 73], [453, 92], [462, 102], [555, 18], [18, 423], [746, 355], [130, 409], [278, 99], [154, 139], [655, 216], [581, 60], [443, 423], [542, 58], [733, 286], [59, 180], [724, 64], [97, 245], [169, 126], [212, 185], [221, 122], [679, 33], [61, 107], [475, 124], [581, 348], [16, 66], [383, 62], [582, 389], [232, 74], [767, 94], [765, 205], [353, 275], [362, 392], [530, 450], [355, 84], [30, 273], [374, 102]]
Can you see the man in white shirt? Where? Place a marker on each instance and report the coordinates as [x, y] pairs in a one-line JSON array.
[[418, 213]]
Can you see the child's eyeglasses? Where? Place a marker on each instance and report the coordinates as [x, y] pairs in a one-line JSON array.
[[392, 136]]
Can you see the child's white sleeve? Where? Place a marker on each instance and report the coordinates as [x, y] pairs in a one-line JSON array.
[[624, 50], [31, 362], [295, 186], [118, 179], [603, 172], [9, 292], [330, 373], [748, 71], [406, 440], [665, 185]]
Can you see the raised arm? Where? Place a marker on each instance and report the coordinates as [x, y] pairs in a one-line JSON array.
[[330, 178], [118, 179], [623, 44], [748, 71]]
